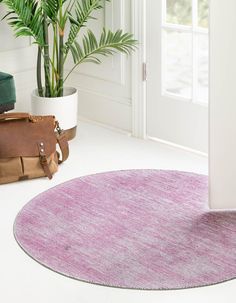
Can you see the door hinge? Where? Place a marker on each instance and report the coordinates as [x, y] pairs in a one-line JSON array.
[[144, 71]]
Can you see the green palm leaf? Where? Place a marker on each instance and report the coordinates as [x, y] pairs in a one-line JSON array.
[[52, 7], [34, 18], [91, 48], [25, 16], [82, 13]]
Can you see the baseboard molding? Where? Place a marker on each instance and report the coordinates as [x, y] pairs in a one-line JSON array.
[[177, 146], [114, 129]]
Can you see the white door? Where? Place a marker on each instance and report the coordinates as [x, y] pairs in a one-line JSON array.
[[222, 164], [177, 64]]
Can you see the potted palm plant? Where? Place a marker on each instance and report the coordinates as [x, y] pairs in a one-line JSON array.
[[55, 26]]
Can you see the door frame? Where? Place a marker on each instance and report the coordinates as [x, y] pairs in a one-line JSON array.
[[139, 100]]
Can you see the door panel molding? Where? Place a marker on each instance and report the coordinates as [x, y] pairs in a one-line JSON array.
[[112, 69], [105, 89]]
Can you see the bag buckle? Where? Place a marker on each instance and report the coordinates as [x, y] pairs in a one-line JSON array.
[[43, 160], [58, 128]]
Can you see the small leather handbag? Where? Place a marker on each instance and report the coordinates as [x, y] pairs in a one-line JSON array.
[[28, 147]]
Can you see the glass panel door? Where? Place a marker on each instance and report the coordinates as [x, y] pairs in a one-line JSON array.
[[178, 72]]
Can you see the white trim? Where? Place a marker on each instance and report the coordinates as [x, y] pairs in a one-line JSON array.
[[104, 125], [195, 71], [187, 149], [138, 60], [185, 28]]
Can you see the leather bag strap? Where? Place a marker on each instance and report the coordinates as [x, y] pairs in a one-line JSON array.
[[43, 160], [17, 116], [63, 144]]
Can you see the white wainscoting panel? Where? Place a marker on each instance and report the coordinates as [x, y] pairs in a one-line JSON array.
[[18, 57], [8, 41], [105, 90]]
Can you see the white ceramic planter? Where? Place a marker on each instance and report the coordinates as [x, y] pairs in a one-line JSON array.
[[65, 108]]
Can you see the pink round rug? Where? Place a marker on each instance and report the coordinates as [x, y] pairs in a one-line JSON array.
[[141, 229]]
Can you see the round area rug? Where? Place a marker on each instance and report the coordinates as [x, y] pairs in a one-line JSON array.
[[139, 229]]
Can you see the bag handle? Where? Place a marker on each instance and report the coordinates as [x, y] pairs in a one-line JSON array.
[[17, 116], [63, 144]]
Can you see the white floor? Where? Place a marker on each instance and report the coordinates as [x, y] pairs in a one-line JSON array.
[[96, 149]]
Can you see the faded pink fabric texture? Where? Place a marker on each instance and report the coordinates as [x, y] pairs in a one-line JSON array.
[[144, 229]]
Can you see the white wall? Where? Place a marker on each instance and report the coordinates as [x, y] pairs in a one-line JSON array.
[[17, 58], [223, 104]]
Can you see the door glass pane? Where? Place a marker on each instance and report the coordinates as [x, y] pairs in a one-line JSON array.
[[203, 12], [179, 11], [177, 63], [203, 68]]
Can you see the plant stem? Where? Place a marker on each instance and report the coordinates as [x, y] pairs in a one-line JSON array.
[[46, 58], [57, 52], [61, 63], [53, 59], [39, 75], [61, 51]]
